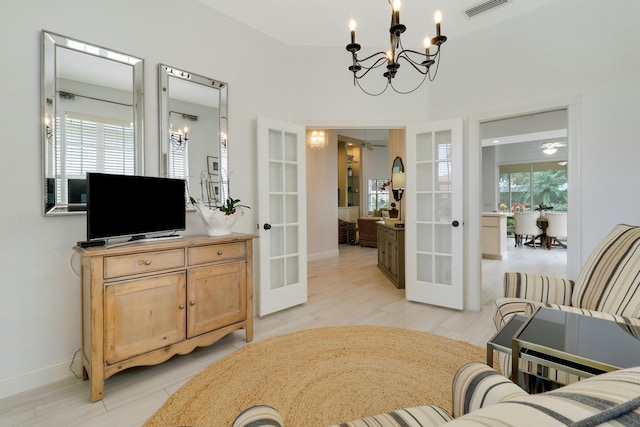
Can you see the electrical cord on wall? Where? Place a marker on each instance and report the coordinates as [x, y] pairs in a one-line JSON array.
[[74, 263], [73, 359]]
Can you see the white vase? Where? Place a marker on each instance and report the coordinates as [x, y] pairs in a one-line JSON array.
[[216, 222]]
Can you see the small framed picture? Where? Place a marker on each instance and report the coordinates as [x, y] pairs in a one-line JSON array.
[[214, 191], [213, 165]]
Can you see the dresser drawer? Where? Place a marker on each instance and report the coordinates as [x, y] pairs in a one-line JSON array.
[[144, 262], [206, 254], [392, 235]]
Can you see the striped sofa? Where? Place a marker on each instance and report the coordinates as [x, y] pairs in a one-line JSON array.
[[608, 286], [484, 397]]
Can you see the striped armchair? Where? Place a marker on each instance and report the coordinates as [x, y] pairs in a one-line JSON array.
[[483, 397], [608, 286]]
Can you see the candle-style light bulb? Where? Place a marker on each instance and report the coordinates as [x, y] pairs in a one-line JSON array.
[[46, 120], [389, 56], [396, 11], [352, 27], [438, 18], [427, 43]]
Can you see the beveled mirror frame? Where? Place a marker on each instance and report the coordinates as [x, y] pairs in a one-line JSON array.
[[50, 42], [203, 176], [397, 168]]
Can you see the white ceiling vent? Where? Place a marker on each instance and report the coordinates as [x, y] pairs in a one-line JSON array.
[[484, 7]]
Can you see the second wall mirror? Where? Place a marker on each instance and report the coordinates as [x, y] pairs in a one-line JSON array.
[[193, 133]]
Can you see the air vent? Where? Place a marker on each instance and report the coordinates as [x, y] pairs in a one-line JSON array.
[[483, 7]]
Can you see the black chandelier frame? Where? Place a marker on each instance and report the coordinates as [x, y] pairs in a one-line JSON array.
[[420, 61]]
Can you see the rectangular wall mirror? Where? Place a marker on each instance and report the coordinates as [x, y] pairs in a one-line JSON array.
[[193, 133], [92, 118]]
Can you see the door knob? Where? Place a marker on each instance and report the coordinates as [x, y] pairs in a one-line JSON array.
[[267, 226], [455, 223]]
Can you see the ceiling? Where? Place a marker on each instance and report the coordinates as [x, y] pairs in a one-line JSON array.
[[326, 23]]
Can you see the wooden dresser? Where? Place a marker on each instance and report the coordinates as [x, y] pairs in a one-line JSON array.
[[391, 253], [146, 302]]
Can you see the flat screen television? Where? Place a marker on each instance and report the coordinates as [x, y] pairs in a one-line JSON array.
[[132, 206]]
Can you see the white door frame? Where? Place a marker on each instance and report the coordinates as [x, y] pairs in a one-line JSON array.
[[473, 201]]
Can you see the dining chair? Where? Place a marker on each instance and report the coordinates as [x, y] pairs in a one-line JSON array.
[[526, 225], [556, 228]]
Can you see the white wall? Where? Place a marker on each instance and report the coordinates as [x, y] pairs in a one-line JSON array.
[[322, 200], [40, 304], [569, 48]]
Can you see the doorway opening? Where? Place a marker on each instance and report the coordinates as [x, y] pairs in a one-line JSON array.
[[363, 157], [524, 168]]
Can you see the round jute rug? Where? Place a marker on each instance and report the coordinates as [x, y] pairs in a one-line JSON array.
[[323, 376]]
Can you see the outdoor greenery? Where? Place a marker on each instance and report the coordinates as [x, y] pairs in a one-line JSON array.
[[549, 188]]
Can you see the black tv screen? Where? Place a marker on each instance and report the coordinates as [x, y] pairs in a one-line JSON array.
[[129, 205]]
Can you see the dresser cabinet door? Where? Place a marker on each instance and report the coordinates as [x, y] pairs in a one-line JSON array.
[[143, 315], [217, 297]]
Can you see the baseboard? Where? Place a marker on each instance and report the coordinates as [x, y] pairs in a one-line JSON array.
[[27, 380], [323, 255]]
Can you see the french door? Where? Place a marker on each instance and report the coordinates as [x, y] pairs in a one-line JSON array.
[[282, 215], [434, 235]]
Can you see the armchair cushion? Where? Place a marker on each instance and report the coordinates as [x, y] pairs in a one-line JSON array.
[[419, 416], [522, 291], [538, 287], [259, 416], [476, 385], [609, 280]]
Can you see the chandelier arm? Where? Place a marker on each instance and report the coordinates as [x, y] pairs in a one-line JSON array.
[[412, 90], [383, 54], [413, 63], [372, 94], [435, 73], [377, 64]]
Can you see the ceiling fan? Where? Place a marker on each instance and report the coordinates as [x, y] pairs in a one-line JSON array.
[[369, 145], [552, 147]]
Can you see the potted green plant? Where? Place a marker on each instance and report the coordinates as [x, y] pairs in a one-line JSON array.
[[393, 212], [218, 220]]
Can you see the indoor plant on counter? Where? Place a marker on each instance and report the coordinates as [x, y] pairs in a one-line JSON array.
[[218, 220]]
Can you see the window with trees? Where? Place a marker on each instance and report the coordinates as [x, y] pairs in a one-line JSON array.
[[525, 186], [377, 197]]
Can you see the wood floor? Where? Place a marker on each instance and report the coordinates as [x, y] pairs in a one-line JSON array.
[[343, 290]]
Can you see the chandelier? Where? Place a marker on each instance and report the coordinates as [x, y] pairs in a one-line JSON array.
[[420, 61], [317, 139], [179, 139]]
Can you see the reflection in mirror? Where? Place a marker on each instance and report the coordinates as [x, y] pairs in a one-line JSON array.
[[193, 133], [398, 179], [92, 118]]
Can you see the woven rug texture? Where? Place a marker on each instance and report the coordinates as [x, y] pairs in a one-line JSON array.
[[319, 377]]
